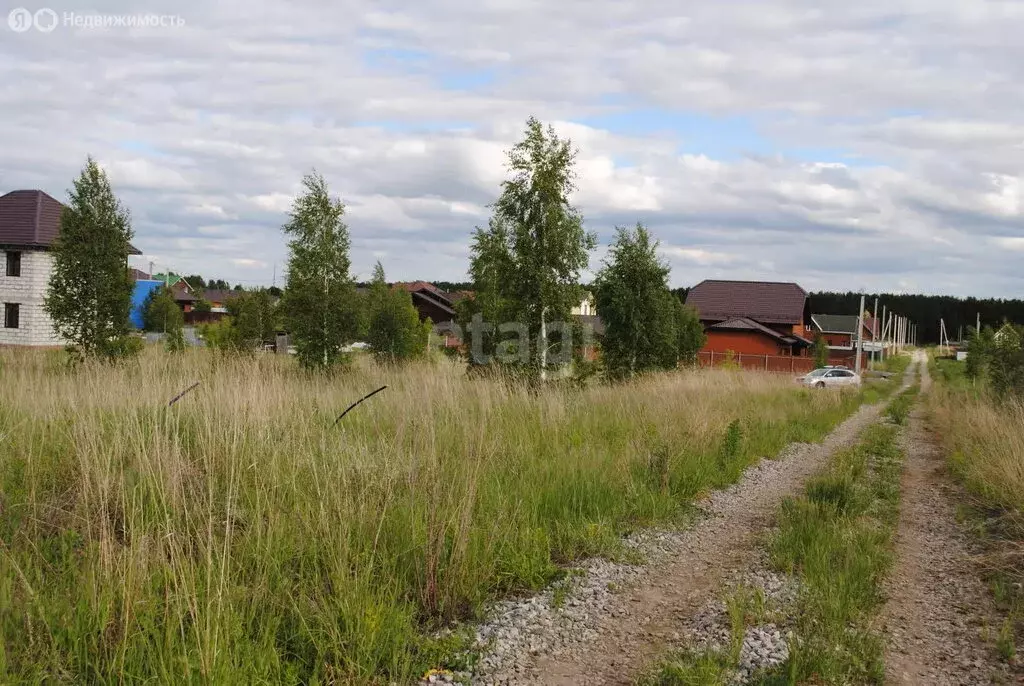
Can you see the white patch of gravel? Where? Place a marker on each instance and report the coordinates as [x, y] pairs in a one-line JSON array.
[[765, 645]]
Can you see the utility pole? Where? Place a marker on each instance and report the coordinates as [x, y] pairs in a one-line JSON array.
[[874, 334], [860, 335], [977, 327], [884, 329]]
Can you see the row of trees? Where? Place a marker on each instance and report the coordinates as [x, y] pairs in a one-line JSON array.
[[525, 268], [384, 317], [322, 310], [89, 297]]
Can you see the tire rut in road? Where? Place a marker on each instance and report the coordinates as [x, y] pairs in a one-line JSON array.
[[938, 607], [645, 620]]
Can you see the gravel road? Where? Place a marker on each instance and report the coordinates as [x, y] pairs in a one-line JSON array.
[[605, 623], [938, 608]]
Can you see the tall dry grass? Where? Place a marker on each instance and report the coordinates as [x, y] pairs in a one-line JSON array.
[[240, 537], [984, 438]]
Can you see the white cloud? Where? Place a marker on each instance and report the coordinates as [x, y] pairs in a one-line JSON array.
[[920, 99]]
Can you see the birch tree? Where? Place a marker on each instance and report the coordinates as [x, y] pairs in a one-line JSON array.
[[535, 247], [89, 297], [320, 307], [395, 333], [636, 306]]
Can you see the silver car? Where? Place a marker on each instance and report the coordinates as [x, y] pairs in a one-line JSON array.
[[828, 377]]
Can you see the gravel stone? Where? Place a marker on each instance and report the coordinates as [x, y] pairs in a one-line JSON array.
[[615, 616]]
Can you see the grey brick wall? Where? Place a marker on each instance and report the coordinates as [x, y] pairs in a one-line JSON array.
[[28, 290]]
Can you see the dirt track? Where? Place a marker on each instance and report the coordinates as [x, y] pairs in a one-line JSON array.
[[648, 618], [939, 609]]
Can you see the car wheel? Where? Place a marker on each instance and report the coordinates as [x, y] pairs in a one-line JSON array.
[[820, 384]]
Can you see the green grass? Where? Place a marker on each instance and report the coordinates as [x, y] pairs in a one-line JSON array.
[[983, 439], [899, 408], [242, 537], [837, 540]]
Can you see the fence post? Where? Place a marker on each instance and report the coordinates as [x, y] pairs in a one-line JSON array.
[[712, 362], [739, 360], [792, 365], [766, 361]]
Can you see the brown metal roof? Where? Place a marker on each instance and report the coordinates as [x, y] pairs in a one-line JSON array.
[[425, 287], [31, 219], [219, 295], [762, 301]]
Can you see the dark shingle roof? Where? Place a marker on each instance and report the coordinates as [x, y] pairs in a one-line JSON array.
[[32, 219], [762, 301], [29, 218]]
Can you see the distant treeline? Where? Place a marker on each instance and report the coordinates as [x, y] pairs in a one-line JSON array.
[[926, 310]]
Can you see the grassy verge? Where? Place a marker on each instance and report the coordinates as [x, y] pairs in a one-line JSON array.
[[836, 540], [240, 536], [983, 439], [877, 389]]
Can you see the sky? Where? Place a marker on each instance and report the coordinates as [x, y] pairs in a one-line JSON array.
[[874, 145]]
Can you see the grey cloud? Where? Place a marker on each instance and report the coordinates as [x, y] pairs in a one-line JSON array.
[[208, 129]]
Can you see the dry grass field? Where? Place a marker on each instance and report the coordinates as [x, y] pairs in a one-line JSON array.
[[241, 537]]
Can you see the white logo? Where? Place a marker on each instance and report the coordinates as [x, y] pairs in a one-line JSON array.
[[20, 20], [46, 20]]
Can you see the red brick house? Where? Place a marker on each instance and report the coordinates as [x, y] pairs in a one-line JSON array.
[[753, 317]]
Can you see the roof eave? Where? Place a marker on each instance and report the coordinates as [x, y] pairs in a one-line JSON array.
[[24, 246]]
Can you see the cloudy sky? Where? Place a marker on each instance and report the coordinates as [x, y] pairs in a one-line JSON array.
[[876, 144]]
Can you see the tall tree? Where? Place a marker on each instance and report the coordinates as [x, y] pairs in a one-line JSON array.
[[89, 296], [690, 336], [636, 306], [160, 311], [528, 261], [253, 319], [320, 305], [395, 332]]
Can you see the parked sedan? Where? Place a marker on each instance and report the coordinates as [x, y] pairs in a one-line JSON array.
[[830, 376]]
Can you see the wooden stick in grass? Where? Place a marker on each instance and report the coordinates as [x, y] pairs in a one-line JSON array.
[[365, 397], [183, 393]]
